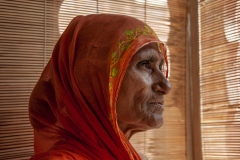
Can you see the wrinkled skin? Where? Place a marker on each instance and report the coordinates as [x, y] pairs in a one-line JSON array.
[[140, 102]]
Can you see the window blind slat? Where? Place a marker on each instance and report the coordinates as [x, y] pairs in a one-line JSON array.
[[220, 79]]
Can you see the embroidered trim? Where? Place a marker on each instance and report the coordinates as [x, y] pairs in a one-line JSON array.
[[123, 45]]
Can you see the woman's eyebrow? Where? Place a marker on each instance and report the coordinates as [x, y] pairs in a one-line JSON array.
[[153, 56], [149, 55]]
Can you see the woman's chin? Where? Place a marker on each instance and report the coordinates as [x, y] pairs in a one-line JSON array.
[[158, 123], [155, 122]]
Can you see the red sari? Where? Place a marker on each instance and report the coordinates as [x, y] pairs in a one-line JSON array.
[[73, 106]]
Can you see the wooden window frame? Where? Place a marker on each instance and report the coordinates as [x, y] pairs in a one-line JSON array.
[[193, 111]]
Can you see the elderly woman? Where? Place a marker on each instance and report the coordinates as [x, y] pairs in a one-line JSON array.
[[104, 82]]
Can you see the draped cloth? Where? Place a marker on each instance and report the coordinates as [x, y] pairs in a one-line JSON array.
[[73, 105]]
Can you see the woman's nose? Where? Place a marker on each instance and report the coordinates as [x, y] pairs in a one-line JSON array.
[[161, 84]]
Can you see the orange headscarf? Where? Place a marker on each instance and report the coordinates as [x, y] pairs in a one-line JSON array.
[[73, 106]]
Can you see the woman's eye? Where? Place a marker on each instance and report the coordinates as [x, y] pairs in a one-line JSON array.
[[145, 64], [161, 67]]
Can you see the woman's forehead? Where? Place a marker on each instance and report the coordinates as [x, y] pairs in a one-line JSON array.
[[149, 51]]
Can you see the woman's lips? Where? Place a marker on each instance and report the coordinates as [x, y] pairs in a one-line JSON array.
[[156, 107]]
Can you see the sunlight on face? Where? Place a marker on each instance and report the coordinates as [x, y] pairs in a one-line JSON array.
[[140, 101]]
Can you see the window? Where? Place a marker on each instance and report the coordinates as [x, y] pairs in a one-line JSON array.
[[220, 78]]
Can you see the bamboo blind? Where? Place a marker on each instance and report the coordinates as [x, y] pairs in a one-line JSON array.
[[220, 78], [28, 33]]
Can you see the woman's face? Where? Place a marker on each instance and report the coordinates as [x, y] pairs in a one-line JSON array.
[[140, 102]]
